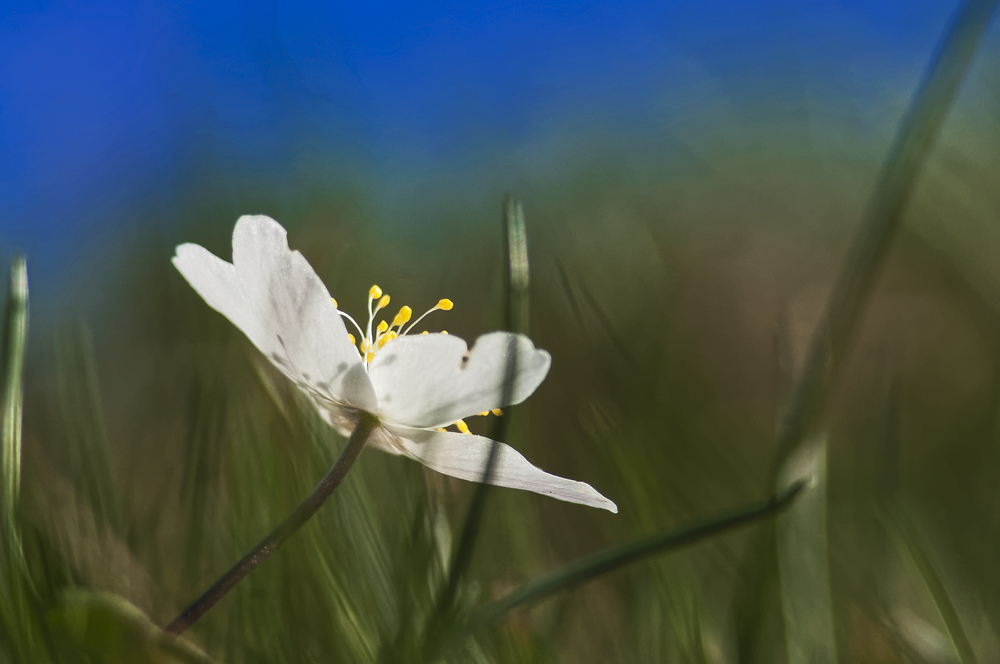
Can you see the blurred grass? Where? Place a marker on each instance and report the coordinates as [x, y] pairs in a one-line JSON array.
[[158, 446]]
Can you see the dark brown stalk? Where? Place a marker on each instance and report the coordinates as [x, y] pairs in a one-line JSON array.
[[267, 546]]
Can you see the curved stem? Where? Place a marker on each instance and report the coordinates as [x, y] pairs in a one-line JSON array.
[[366, 424]]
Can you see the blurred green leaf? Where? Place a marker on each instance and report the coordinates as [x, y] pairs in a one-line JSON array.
[[115, 631], [905, 536]]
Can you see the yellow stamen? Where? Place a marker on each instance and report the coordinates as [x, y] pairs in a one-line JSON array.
[[383, 303], [462, 426], [382, 327], [497, 412], [389, 336], [351, 337], [444, 305], [442, 430], [424, 332], [402, 317], [444, 331], [374, 293], [369, 357], [334, 300]]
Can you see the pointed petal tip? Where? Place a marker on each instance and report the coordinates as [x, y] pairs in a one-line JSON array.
[[582, 494], [599, 501]]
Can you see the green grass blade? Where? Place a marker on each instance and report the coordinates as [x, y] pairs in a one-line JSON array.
[[16, 623], [83, 422], [904, 164], [14, 340], [909, 542], [516, 320], [803, 562], [609, 560], [517, 282], [806, 636]]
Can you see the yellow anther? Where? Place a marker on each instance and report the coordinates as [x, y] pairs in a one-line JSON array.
[[444, 331], [424, 332], [382, 327], [441, 430], [384, 302], [445, 305], [389, 336], [351, 337], [497, 412], [484, 413], [374, 293], [462, 426], [403, 316], [334, 300], [369, 357]]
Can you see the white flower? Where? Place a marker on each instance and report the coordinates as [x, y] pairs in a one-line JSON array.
[[415, 384]]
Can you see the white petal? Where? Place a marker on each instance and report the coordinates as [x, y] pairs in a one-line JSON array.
[[464, 456], [273, 295], [433, 380]]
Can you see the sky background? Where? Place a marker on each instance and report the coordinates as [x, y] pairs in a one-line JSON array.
[[107, 106]]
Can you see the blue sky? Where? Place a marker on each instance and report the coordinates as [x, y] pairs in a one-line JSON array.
[[106, 105]]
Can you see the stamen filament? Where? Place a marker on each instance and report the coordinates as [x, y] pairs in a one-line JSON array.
[[442, 305], [354, 322]]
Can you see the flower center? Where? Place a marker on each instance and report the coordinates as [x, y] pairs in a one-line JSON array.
[[372, 340]]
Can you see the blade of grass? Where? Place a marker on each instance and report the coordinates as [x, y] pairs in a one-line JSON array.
[[908, 540], [803, 562], [833, 337], [14, 340], [616, 557], [79, 397], [904, 164], [516, 320], [15, 606]]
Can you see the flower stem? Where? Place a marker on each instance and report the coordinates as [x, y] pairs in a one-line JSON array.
[[366, 424]]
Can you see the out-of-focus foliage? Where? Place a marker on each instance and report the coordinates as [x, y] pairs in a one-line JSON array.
[[675, 294]]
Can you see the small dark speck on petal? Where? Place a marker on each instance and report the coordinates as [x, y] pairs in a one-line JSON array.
[[465, 360]]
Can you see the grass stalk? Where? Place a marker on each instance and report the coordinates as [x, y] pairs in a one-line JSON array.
[[16, 620], [867, 256], [614, 558]]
